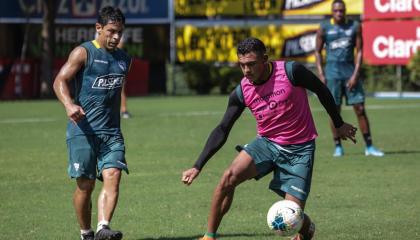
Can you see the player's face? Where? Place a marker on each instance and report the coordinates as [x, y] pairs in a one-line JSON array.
[[110, 34], [252, 66], [339, 12]]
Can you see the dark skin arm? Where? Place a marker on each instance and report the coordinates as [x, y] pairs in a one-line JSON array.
[[318, 54], [217, 138], [69, 70], [358, 59]]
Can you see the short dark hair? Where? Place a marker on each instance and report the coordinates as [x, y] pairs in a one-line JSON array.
[[338, 1], [251, 45], [110, 14]]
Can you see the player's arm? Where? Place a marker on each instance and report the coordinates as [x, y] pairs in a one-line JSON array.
[[306, 79], [319, 45], [217, 137], [358, 58], [69, 70]]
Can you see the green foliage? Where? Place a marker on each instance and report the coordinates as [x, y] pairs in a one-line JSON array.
[[230, 76], [198, 77], [355, 197], [203, 77], [414, 67]]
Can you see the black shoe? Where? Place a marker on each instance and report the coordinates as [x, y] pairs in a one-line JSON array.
[[88, 236], [107, 234]]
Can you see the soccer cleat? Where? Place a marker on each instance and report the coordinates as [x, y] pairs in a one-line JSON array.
[[88, 236], [373, 151], [107, 234], [126, 115], [311, 234], [338, 152]]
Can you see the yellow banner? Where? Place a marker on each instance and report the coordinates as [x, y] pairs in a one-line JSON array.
[[318, 7], [210, 8], [218, 43]]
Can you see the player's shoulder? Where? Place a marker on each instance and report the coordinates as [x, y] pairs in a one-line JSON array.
[[325, 24], [354, 23]]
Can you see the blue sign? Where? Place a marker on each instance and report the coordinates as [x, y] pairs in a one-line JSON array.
[[85, 11]]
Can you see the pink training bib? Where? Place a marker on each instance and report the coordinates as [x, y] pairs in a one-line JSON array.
[[281, 110]]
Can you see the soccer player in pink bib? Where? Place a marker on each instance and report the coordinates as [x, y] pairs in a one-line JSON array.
[[275, 93]]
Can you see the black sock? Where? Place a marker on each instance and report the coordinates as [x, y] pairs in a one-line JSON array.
[[337, 142], [368, 139]]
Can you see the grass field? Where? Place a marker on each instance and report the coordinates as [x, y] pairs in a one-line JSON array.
[[354, 197]]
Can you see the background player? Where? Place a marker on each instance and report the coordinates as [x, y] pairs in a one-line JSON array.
[[342, 37]]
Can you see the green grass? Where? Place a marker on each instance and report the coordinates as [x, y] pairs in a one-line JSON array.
[[355, 197]]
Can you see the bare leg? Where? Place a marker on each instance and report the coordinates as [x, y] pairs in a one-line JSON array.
[[306, 221], [108, 198], [241, 169], [359, 110], [82, 202]]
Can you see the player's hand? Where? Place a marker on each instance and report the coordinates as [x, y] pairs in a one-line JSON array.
[[189, 175], [75, 112], [351, 83], [347, 131]]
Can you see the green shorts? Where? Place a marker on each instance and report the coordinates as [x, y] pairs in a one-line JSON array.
[[337, 75], [90, 154], [291, 165]]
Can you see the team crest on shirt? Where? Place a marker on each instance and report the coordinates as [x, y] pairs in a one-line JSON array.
[[109, 81], [122, 65]]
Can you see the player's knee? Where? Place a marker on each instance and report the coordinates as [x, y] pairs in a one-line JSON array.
[[360, 110], [85, 186], [228, 181]]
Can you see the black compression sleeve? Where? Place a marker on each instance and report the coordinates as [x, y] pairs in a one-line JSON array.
[[305, 78], [220, 134]]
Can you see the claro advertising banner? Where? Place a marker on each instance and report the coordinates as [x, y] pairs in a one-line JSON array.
[[318, 7], [218, 43], [382, 9], [390, 42]]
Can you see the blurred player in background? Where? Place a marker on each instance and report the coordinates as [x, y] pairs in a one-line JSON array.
[[94, 138], [124, 111], [275, 93], [342, 37]]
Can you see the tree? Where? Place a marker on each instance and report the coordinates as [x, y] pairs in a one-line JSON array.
[[48, 40]]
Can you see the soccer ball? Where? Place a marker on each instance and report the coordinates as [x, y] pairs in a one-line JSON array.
[[285, 218]]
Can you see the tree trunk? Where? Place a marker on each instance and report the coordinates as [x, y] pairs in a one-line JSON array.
[[48, 40]]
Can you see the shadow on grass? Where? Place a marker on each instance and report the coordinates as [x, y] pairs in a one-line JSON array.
[[199, 236], [401, 152], [386, 153]]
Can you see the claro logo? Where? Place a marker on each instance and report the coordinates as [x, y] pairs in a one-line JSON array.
[[392, 47], [397, 6]]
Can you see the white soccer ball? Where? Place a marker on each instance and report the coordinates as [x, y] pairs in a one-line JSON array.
[[285, 218]]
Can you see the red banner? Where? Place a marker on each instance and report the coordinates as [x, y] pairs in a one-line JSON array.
[[381, 9], [390, 42]]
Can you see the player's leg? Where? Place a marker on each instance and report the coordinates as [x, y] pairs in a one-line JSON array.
[[111, 161], [241, 169], [307, 231], [82, 203], [82, 167], [292, 179], [356, 98]]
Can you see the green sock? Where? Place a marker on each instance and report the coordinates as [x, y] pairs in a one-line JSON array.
[[211, 235]]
